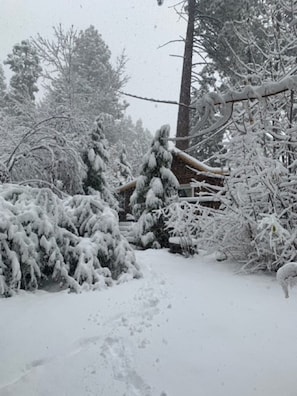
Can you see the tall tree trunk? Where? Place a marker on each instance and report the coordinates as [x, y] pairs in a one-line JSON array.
[[183, 119]]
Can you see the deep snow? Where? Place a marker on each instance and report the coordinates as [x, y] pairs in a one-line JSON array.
[[190, 327]]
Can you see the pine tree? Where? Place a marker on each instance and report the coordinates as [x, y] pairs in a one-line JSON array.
[[2, 85], [97, 160], [85, 82], [24, 63], [156, 187], [2, 92], [61, 94], [97, 81]]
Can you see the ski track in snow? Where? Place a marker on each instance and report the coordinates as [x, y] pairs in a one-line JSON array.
[[114, 352]]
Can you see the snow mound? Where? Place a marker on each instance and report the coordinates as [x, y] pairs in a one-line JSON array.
[[287, 276]]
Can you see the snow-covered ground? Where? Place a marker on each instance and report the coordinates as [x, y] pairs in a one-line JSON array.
[[190, 327]]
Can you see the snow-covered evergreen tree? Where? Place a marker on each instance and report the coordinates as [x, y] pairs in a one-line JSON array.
[[96, 79], [24, 63], [84, 82], [75, 241], [97, 160], [134, 136], [2, 88], [120, 171], [124, 169], [156, 187]]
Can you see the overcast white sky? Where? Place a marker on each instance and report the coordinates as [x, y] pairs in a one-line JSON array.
[[139, 26]]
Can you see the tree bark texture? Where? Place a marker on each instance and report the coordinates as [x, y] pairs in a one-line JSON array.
[[183, 119]]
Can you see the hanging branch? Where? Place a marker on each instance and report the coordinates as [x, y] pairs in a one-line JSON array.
[[221, 122], [248, 93], [156, 100]]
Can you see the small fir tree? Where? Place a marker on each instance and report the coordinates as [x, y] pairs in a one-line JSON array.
[[96, 159], [156, 187], [124, 169]]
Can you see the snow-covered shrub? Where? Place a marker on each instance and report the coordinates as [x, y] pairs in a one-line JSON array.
[[181, 222], [98, 226], [256, 223], [156, 187], [75, 241]]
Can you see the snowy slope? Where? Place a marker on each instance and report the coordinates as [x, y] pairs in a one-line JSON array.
[[190, 327]]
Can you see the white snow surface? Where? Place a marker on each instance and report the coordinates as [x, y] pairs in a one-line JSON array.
[[188, 327]]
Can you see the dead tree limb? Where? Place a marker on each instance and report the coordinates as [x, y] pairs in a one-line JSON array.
[[156, 100]]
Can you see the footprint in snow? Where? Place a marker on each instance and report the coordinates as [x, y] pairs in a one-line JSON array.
[[120, 357]]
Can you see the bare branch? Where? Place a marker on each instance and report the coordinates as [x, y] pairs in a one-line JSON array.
[[176, 56], [156, 100], [171, 42]]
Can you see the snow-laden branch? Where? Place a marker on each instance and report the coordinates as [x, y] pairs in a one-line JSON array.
[[33, 130], [258, 92], [209, 101], [39, 182]]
